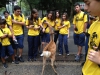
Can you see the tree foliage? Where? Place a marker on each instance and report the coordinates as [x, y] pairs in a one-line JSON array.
[[62, 5], [3, 3]]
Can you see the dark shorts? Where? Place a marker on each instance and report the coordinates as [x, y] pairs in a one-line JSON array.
[[46, 37], [20, 40], [79, 39], [9, 48]]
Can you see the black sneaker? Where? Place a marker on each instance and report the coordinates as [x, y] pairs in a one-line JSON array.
[[5, 65], [20, 59], [29, 59], [16, 58], [35, 59], [15, 62]]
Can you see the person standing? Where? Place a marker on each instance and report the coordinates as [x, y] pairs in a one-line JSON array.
[[64, 34], [18, 22], [92, 63], [47, 23], [33, 24], [57, 24], [80, 23], [5, 34]]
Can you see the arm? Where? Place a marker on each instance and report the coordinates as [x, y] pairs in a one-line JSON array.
[[61, 26], [3, 36], [94, 56], [85, 22], [20, 23], [68, 33]]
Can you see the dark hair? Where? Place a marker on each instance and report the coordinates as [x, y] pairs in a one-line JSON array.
[[17, 7], [66, 15], [33, 11], [2, 21], [58, 12], [77, 4], [51, 12], [5, 12]]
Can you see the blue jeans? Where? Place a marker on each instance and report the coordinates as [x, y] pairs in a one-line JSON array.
[[33, 42], [46, 37], [20, 40], [56, 36], [4, 48], [63, 39]]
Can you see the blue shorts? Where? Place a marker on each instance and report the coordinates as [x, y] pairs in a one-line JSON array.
[[46, 37], [9, 48], [20, 40], [79, 39]]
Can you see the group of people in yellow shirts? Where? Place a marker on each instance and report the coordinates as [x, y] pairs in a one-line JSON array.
[[12, 33], [11, 29]]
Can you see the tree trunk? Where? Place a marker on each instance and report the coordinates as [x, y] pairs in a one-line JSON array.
[[29, 4]]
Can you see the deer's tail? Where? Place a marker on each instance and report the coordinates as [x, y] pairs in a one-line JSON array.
[[46, 54]]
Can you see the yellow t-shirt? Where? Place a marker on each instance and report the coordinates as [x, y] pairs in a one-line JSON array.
[[64, 30], [91, 68], [33, 32], [45, 26], [58, 20], [5, 41], [8, 20], [18, 29], [79, 20]]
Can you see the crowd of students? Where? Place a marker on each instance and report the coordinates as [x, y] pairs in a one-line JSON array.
[[12, 35]]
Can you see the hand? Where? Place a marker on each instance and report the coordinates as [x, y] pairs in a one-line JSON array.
[[30, 26], [68, 36], [5, 35], [13, 21], [46, 22], [43, 30], [36, 28], [94, 56], [59, 27], [56, 21], [14, 37]]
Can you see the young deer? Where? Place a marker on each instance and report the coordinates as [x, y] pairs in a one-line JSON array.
[[49, 52]]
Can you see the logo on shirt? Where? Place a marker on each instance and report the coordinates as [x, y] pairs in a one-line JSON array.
[[92, 39]]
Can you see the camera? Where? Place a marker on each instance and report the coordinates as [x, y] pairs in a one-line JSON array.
[[75, 29], [15, 41]]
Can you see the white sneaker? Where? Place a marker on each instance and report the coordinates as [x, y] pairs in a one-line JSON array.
[[41, 55], [6, 57], [68, 54], [60, 54]]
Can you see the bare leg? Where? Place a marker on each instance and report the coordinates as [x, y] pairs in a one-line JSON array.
[[20, 52], [3, 60], [13, 57], [44, 64], [79, 50], [52, 64]]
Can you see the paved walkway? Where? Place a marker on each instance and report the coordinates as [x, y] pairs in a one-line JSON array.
[[35, 68], [65, 66]]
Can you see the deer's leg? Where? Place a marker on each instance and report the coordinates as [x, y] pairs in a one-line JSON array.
[[44, 64], [52, 64]]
